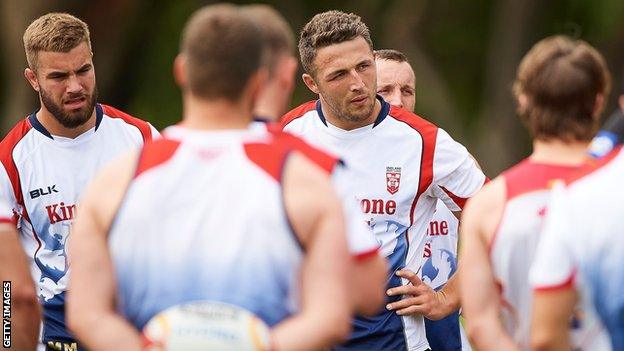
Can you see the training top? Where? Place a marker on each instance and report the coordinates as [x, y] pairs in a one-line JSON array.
[[401, 165], [42, 176], [582, 243]]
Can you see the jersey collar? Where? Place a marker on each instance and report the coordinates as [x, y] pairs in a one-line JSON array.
[[34, 122], [383, 113]]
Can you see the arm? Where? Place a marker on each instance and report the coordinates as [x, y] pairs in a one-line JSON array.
[[479, 293], [552, 311], [90, 302], [25, 314], [317, 219]]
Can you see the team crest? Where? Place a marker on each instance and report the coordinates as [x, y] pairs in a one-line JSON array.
[[393, 179]]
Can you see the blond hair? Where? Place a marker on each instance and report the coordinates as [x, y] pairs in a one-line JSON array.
[[55, 32]]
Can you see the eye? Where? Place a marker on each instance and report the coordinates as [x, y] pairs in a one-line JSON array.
[[363, 66], [407, 92], [84, 70], [383, 91]]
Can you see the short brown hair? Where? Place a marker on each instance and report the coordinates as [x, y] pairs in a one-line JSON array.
[[390, 55], [328, 28], [56, 32], [278, 36], [560, 78], [222, 49]]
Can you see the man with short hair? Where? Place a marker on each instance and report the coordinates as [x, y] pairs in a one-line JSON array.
[[560, 88], [401, 165], [50, 156], [239, 215], [396, 83]]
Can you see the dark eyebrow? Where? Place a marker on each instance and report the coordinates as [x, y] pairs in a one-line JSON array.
[[85, 67], [57, 74]]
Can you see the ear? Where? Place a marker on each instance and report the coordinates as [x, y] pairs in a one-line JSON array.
[[256, 83], [286, 72], [621, 102], [31, 77], [310, 83], [523, 102], [598, 105], [179, 71]]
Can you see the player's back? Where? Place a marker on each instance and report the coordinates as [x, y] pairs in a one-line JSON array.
[[513, 247], [204, 219]]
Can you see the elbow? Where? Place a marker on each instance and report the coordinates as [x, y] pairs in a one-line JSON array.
[[338, 325], [24, 296]]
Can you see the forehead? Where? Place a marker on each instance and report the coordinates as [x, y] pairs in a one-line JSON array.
[[392, 72], [64, 61], [342, 55]]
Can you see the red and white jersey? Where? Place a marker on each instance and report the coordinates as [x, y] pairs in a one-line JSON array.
[[582, 246], [401, 165], [206, 210], [512, 249], [440, 254], [42, 177]]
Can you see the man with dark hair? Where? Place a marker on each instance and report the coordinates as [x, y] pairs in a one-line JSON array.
[[50, 156], [401, 164], [396, 83], [560, 88], [268, 236]]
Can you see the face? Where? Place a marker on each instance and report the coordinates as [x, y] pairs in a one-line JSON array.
[[66, 84], [345, 78], [396, 83]]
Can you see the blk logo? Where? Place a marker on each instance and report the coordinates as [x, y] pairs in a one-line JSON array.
[[43, 192]]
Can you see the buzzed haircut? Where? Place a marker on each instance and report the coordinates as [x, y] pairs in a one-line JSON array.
[[560, 78], [278, 36], [390, 55], [55, 32], [223, 49], [328, 28]]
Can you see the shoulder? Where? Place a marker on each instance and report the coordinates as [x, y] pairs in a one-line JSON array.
[[297, 112], [485, 208], [144, 127], [17, 133], [154, 154], [412, 120], [594, 167]]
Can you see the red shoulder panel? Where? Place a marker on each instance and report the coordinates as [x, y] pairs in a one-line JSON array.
[[528, 176], [296, 113], [268, 156], [322, 159], [6, 155], [429, 134], [593, 165], [154, 154], [141, 125]]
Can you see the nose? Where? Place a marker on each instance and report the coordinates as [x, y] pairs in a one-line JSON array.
[[394, 98], [73, 84], [357, 83]]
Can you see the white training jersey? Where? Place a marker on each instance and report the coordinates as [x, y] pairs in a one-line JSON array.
[[401, 166], [513, 247], [204, 219], [42, 177], [582, 244], [440, 253]]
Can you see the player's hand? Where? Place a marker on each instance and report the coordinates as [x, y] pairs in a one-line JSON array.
[[418, 298]]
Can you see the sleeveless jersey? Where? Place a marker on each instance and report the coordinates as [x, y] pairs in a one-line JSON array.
[[513, 246], [582, 246], [204, 219], [401, 165], [42, 177]]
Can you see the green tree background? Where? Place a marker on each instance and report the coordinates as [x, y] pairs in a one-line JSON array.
[[465, 53]]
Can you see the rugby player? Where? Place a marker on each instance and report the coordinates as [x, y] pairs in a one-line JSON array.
[[401, 165], [18, 288], [368, 277], [396, 83], [560, 88], [219, 212], [50, 156]]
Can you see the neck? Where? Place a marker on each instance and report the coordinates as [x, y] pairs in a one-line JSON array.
[[218, 114], [52, 125], [559, 152], [346, 124]]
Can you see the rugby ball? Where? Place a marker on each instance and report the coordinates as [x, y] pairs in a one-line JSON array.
[[206, 325]]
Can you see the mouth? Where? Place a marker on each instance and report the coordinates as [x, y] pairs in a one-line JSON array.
[[360, 100], [75, 103]]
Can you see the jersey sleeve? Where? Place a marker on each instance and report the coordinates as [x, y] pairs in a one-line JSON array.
[[360, 238], [456, 174], [9, 208], [554, 266]]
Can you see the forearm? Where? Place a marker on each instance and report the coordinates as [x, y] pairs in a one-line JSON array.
[[26, 319], [107, 331], [487, 333], [450, 296], [307, 332]]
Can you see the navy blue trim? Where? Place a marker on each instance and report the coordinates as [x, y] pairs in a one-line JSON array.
[[261, 119], [34, 122], [383, 113], [99, 114]]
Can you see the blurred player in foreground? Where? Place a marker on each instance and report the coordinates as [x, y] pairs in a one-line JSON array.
[[18, 287], [396, 83], [51, 155], [560, 89], [401, 165], [580, 255], [369, 272], [221, 212]]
